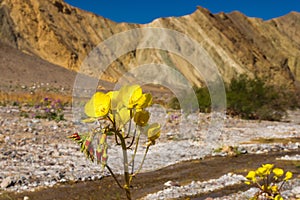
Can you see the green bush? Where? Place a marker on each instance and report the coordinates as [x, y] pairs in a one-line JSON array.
[[203, 98], [249, 98], [254, 99]]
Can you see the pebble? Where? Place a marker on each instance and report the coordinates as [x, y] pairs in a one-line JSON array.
[[293, 158], [296, 191], [171, 183], [36, 152], [175, 192], [7, 182]]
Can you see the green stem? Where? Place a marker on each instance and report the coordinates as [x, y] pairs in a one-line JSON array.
[[135, 150], [132, 141], [125, 162], [129, 127], [141, 165], [281, 185]]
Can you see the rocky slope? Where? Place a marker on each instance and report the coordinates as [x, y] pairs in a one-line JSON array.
[[64, 35], [19, 70]]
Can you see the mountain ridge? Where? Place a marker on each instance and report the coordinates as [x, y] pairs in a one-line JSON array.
[[64, 35]]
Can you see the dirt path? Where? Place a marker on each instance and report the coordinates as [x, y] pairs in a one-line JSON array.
[[150, 182]]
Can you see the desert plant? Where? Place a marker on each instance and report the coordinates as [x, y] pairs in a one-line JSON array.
[[203, 98], [249, 98], [253, 98], [122, 115], [269, 181], [51, 109]]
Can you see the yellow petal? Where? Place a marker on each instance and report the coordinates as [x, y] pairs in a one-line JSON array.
[[268, 166], [278, 172], [98, 105], [141, 118], [247, 182], [251, 176], [116, 100], [144, 101], [153, 132], [130, 95], [288, 176], [136, 94], [278, 197], [122, 117], [274, 188]]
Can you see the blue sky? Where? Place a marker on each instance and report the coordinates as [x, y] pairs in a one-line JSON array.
[[144, 11]]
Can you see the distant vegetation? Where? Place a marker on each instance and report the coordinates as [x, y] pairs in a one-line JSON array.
[[250, 98], [31, 99]]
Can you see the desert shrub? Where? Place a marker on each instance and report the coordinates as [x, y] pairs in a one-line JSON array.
[[203, 98], [174, 103], [249, 98], [253, 98]]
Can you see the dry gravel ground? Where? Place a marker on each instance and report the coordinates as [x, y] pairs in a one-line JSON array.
[[36, 153]]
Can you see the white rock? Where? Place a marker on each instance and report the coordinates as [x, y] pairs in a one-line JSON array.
[[6, 182], [296, 190]]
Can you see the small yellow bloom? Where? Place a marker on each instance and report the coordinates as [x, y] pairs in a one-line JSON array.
[[261, 171], [144, 102], [116, 100], [288, 176], [274, 188], [141, 118], [131, 95], [278, 172], [121, 117], [251, 176], [153, 132], [98, 105], [278, 197], [268, 166], [247, 182]]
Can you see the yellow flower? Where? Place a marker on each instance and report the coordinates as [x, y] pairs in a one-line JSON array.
[[131, 95], [144, 101], [153, 132], [288, 176], [251, 176], [120, 117], [98, 105], [141, 118], [268, 166], [261, 171], [278, 197], [247, 182], [274, 188], [116, 100], [278, 172]]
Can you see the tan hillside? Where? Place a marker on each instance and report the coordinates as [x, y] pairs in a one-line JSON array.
[[64, 35]]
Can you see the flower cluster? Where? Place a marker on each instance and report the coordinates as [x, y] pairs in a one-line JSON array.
[[116, 113], [269, 180], [50, 109], [122, 106]]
